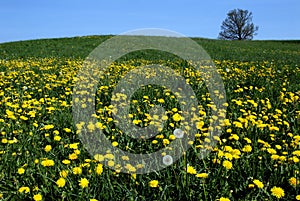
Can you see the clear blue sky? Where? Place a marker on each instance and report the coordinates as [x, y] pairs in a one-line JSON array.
[[34, 19]]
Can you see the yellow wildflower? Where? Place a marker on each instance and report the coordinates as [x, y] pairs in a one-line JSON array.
[[277, 192], [153, 183], [83, 183]]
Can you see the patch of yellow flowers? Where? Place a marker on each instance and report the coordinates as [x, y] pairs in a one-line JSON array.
[[36, 98]]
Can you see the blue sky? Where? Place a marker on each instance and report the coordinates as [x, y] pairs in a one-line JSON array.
[[34, 19]]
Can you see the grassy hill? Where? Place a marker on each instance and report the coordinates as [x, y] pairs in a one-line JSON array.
[[256, 156], [80, 47]]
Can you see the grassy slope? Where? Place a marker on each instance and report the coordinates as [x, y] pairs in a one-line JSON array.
[[283, 52], [80, 47]]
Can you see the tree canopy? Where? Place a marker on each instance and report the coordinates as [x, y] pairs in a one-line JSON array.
[[238, 26]]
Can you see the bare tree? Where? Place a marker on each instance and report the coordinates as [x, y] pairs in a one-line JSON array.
[[238, 26]]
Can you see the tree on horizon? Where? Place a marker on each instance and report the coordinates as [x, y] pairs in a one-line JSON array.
[[238, 26]]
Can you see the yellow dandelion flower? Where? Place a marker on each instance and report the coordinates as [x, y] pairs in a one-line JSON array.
[[172, 137], [110, 163], [66, 162], [64, 173], [228, 156], [24, 189], [48, 127], [57, 138], [153, 183], [220, 154], [21, 170], [234, 137], [91, 127], [109, 156], [236, 153], [282, 158], [23, 118], [199, 125], [48, 148], [47, 163], [83, 183], [247, 148], [99, 157], [130, 168], [224, 199], [295, 159], [174, 109], [114, 143], [166, 142], [297, 153], [99, 169], [273, 128], [202, 175], [176, 117], [277, 192], [271, 151], [76, 151], [228, 148], [73, 156], [161, 100], [161, 136], [73, 145], [61, 182], [140, 166], [10, 115], [227, 164], [274, 157], [100, 125], [191, 170], [247, 140], [77, 170], [67, 130], [125, 158], [37, 197], [4, 141], [293, 181], [238, 124], [136, 121], [258, 183]]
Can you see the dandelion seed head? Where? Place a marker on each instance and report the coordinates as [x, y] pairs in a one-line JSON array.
[[168, 160], [178, 133]]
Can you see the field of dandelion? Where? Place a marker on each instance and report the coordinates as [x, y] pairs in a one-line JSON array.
[[257, 157]]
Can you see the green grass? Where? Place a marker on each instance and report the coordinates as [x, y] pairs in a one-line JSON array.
[[260, 136], [80, 47]]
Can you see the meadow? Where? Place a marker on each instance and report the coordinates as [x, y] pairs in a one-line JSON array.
[[257, 157]]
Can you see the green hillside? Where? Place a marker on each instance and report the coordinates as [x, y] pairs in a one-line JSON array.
[[80, 47], [50, 149]]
